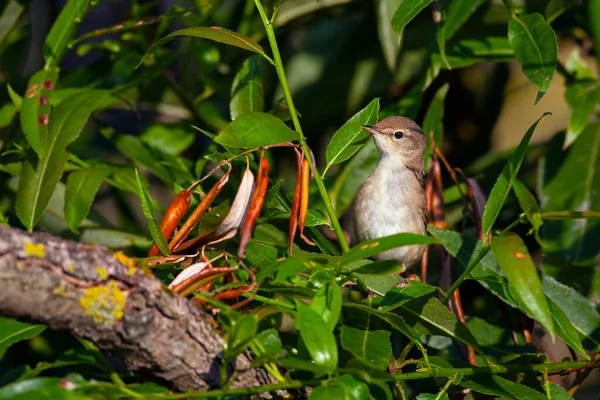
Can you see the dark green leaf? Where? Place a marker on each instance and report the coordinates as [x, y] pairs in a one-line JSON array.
[[148, 211], [433, 123], [400, 295], [254, 129], [429, 396], [503, 184], [247, 89], [534, 44], [327, 302], [348, 139], [518, 267], [36, 184], [355, 389], [81, 189], [9, 17], [556, 7], [317, 337], [370, 248], [328, 392], [467, 52], [582, 97], [571, 185], [390, 40], [454, 15], [407, 10], [63, 30], [495, 385], [215, 33], [558, 392], [241, 331], [13, 331], [371, 347], [41, 84], [528, 204], [565, 329]]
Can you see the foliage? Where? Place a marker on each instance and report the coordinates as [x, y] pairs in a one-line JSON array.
[[104, 127]]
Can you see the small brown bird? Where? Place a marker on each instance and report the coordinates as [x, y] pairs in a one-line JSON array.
[[392, 199]]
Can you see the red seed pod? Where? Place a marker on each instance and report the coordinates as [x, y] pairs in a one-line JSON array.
[[174, 214], [304, 201], [296, 202], [255, 207]]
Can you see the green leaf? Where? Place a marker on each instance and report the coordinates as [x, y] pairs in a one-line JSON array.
[[63, 30], [384, 267], [215, 33], [556, 7], [346, 387], [518, 267], [390, 41], [41, 84], [370, 248], [7, 114], [571, 185], [348, 139], [434, 396], [14, 97], [247, 89], [8, 19], [406, 11], [328, 392], [454, 15], [81, 189], [433, 123], [581, 97], [38, 388], [504, 182], [36, 184], [352, 176], [466, 52], [269, 343], [579, 310], [534, 44], [528, 204], [241, 331], [565, 329], [170, 139], [13, 331], [371, 347], [400, 295], [327, 302], [496, 385], [254, 129], [148, 211], [317, 337], [427, 315], [558, 392]]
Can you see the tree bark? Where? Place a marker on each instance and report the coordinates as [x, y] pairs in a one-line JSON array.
[[123, 309]]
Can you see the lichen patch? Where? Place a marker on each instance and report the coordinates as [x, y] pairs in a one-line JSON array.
[[104, 303], [127, 261], [102, 273], [35, 249]]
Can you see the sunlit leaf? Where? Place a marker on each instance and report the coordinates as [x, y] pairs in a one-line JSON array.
[[215, 33], [495, 385], [317, 337], [400, 295], [327, 302], [348, 139], [535, 46], [518, 267], [370, 248], [37, 182], [406, 11], [254, 129]]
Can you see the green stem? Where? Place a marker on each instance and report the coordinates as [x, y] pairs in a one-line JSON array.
[[570, 215], [292, 109]]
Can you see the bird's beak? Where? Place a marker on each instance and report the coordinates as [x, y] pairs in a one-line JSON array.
[[371, 129]]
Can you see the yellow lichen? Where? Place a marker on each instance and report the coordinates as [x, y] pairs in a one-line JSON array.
[[104, 303], [102, 273], [34, 249], [70, 267], [127, 261]]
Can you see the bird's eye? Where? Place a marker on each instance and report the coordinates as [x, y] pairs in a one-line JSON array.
[[398, 135]]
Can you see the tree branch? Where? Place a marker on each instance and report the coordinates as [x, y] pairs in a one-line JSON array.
[[87, 290]]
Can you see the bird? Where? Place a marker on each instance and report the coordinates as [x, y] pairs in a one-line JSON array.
[[392, 199]]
